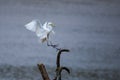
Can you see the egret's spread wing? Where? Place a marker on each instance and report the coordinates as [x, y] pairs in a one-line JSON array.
[[33, 25], [44, 25]]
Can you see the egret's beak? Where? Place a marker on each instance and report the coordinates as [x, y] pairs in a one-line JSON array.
[[52, 25]]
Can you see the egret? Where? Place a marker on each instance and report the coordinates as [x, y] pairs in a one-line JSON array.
[[42, 31]]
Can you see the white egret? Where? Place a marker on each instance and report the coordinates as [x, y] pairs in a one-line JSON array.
[[42, 31]]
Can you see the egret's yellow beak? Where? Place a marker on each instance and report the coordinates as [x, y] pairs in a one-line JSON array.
[[51, 24]]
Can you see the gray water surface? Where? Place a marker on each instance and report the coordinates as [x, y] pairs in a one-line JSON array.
[[89, 28]]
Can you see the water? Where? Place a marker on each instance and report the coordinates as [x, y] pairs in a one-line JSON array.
[[90, 29]]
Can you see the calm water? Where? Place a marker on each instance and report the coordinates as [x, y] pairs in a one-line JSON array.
[[90, 29]]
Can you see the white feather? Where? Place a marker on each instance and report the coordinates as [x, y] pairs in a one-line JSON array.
[[40, 32], [33, 25]]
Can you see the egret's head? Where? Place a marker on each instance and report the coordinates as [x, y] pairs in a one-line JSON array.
[[51, 24]]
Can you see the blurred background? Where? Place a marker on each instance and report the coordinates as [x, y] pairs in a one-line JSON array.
[[89, 28]]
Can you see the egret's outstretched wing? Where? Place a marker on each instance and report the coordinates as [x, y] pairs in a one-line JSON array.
[[45, 26], [33, 25]]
